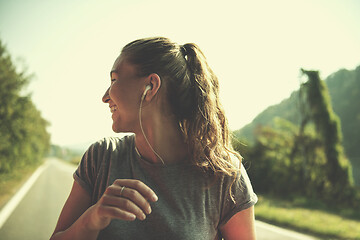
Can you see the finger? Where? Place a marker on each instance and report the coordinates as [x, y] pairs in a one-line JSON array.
[[114, 212], [143, 189], [123, 204], [132, 195]]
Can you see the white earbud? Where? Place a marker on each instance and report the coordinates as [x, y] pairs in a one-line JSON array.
[[147, 88]]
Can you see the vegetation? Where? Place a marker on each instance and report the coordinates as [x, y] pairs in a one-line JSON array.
[[10, 182], [309, 216], [318, 109], [24, 139], [344, 96], [306, 160], [297, 155]]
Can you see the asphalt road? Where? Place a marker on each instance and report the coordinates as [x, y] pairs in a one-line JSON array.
[[34, 218]]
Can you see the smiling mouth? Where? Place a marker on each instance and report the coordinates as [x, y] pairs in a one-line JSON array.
[[113, 109]]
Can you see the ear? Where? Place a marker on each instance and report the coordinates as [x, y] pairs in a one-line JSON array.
[[155, 83]]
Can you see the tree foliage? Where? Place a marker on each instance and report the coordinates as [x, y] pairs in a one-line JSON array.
[[328, 127], [304, 159], [23, 136], [278, 167], [344, 88], [344, 91]]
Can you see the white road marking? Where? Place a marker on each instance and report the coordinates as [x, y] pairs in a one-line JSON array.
[[16, 199], [282, 231]]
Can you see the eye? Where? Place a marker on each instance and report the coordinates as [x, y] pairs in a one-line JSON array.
[[113, 80]]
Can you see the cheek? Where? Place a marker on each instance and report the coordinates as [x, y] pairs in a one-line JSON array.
[[115, 93], [125, 99]]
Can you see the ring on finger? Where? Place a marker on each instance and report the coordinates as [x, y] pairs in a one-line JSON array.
[[121, 190]]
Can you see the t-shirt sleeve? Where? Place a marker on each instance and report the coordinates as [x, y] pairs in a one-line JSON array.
[[86, 173], [243, 195]]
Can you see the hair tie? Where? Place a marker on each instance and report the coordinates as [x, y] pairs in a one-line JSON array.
[[183, 51]]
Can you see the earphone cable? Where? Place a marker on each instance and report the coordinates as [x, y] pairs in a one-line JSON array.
[[142, 130]]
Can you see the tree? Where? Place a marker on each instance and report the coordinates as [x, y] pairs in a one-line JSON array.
[[327, 124], [306, 159], [23, 136]]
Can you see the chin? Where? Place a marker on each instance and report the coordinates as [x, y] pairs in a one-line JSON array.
[[117, 129]]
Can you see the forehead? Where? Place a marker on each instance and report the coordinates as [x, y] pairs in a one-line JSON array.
[[122, 67]]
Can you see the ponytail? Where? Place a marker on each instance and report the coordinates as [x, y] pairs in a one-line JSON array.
[[207, 131]]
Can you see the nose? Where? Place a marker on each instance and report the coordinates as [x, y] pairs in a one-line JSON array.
[[106, 97]]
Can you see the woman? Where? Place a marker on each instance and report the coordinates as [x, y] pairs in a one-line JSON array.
[[177, 176]]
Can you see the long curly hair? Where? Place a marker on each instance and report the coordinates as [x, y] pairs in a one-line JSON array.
[[192, 90]]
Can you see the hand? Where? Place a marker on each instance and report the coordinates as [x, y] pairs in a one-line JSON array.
[[125, 199]]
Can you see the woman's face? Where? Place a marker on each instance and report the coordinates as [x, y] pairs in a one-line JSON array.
[[123, 96]]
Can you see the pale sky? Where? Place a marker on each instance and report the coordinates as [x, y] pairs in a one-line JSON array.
[[256, 48]]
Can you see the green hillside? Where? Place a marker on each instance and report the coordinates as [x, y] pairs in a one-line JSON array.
[[344, 89]]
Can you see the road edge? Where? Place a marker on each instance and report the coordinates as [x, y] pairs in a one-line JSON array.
[[283, 231], [16, 199]]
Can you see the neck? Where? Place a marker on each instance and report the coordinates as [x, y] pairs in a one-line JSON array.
[[165, 138]]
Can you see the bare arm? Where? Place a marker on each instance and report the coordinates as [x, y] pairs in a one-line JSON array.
[[240, 226], [80, 220]]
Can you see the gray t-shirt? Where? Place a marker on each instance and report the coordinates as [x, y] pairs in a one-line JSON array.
[[191, 205]]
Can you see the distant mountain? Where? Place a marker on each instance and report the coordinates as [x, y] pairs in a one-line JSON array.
[[344, 90]]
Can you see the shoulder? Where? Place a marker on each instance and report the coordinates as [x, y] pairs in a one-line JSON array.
[[111, 144], [105, 149], [239, 194], [237, 163], [99, 156]]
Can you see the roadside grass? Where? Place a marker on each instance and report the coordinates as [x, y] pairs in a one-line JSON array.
[[11, 182], [309, 217]]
